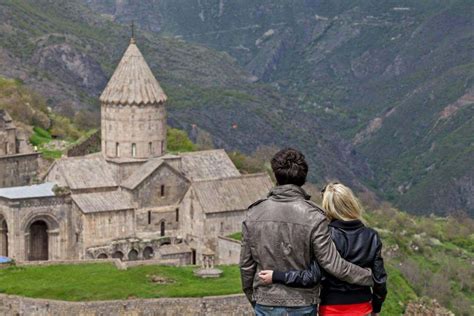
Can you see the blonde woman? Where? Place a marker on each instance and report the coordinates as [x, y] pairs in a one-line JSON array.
[[357, 244]]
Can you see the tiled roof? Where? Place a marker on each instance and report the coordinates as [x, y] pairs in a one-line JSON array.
[[231, 194], [141, 173], [86, 172], [208, 165], [103, 201]]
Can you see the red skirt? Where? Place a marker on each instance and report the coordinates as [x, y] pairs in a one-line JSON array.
[[361, 309]]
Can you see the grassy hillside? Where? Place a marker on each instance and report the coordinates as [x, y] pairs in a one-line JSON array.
[[428, 256], [50, 133]]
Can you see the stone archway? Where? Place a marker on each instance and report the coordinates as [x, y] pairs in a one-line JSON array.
[[148, 253], [133, 255], [117, 255], [102, 256], [38, 241], [42, 240], [3, 237]]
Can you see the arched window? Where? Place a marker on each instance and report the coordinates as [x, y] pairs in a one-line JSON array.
[[102, 256], [150, 148], [177, 214], [162, 190], [134, 150], [162, 228], [117, 149], [149, 217]]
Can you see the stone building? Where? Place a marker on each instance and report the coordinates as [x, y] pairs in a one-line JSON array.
[[133, 200], [18, 162]]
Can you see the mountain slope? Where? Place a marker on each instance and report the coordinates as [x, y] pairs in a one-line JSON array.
[[378, 74], [66, 53]]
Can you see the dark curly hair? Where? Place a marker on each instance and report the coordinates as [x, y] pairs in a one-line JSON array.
[[290, 167]]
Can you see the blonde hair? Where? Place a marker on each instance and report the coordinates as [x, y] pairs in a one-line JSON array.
[[339, 202]]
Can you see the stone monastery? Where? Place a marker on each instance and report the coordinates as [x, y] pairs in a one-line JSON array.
[[133, 200]]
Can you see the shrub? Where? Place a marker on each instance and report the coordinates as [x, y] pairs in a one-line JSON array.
[[42, 132], [178, 141]]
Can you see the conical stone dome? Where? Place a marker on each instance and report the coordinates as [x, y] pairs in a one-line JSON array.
[[133, 82]]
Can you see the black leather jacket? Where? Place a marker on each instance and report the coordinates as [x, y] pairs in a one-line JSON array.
[[357, 244]]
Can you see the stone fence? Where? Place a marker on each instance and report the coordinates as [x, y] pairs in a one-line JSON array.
[[232, 305]]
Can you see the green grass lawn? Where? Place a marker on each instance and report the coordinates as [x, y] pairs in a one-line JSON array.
[[236, 236], [102, 281], [91, 282]]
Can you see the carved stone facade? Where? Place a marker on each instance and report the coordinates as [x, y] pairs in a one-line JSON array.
[[38, 228]]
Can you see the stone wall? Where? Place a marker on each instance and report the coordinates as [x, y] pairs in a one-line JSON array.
[[191, 224], [18, 170], [103, 227], [133, 131], [232, 305], [153, 219], [7, 141], [88, 146], [228, 250], [222, 224], [164, 187]]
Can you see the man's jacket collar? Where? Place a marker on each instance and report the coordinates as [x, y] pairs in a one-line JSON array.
[[288, 192]]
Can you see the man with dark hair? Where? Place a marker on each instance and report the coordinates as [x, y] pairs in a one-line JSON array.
[[289, 167], [286, 231]]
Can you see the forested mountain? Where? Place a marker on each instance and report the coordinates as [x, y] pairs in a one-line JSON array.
[[378, 94]]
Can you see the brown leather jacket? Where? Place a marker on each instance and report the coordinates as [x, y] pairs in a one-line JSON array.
[[285, 232]]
